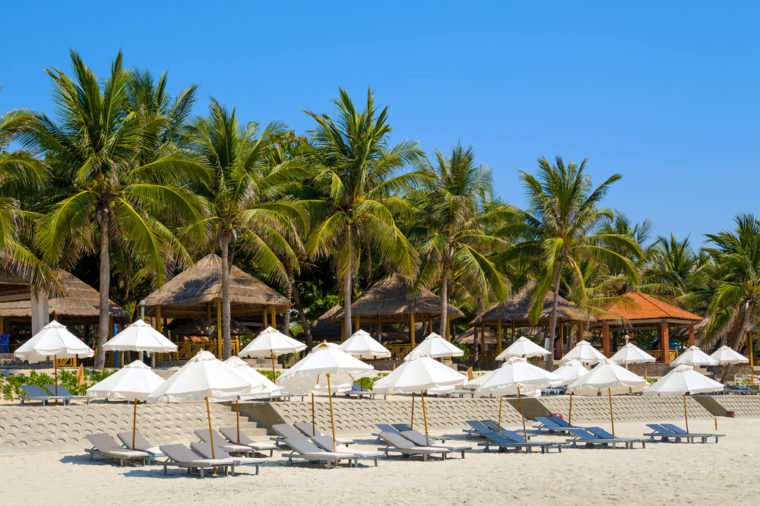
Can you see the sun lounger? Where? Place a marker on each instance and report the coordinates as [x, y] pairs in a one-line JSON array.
[[141, 444], [63, 393], [585, 439], [402, 427], [692, 436], [396, 443], [36, 393], [358, 392], [303, 449], [204, 450], [548, 425], [107, 447], [491, 424], [603, 434], [308, 430], [506, 439], [181, 456], [220, 440], [326, 443], [231, 433], [419, 439]]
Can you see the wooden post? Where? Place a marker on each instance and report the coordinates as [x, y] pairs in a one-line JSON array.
[[356, 324], [210, 430], [612, 417], [498, 423], [561, 339], [751, 359], [424, 416], [265, 318], [219, 336], [157, 324], [570, 412], [691, 335], [274, 318], [606, 338], [665, 340], [134, 424], [498, 337], [482, 339], [411, 329], [237, 417], [332, 416], [685, 414], [522, 413], [411, 422]]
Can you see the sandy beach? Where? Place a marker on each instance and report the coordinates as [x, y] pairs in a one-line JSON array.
[[727, 473]]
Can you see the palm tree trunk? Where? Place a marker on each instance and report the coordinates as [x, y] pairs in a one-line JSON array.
[[444, 302], [737, 338], [347, 303], [302, 315], [104, 286], [553, 319], [286, 317], [227, 349]]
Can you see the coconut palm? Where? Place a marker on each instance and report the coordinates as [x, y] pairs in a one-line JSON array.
[[562, 228], [458, 222], [104, 194], [357, 174], [672, 267], [243, 197]]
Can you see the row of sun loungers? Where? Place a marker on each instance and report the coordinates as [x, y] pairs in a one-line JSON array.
[[669, 433], [35, 393]]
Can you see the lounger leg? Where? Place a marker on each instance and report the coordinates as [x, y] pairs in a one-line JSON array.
[[257, 469], [166, 471], [201, 470]]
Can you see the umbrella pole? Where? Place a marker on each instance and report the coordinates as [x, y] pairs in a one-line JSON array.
[[332, 416], [570, 412], [134, 424], [522, 412], [237, 417], [424, 416], [685, 414], [612, 417], [273, 359], [55, 373], [411, 423], [313, 417], [210, 432], [498, 421]]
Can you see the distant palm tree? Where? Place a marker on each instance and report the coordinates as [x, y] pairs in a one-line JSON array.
[[562, 228], [458, 225], [106, 193], [357, 173], [672, 266], [244, 209]]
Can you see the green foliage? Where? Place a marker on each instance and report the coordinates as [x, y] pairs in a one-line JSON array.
[[10, 386], [271, 375]]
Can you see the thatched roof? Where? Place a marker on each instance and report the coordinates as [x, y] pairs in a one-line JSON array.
[[392, 298], [517, 309], [200, 327], [81, 303], [192, 291]]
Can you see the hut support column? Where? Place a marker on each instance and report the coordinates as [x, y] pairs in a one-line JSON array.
[[483, 338], [274, 318], [411, 329], [498, 337], [356, 323], [219, 338], [606, 339], [157, 324], [665, 340], [264, 319], [561, 339], [691, 335]]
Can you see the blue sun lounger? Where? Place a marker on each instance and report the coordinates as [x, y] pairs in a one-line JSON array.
[[668, 432], [506, 439]]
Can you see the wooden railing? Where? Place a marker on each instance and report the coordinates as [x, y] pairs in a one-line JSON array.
[[399, 351]]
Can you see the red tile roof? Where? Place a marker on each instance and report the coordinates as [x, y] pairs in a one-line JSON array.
[[639, 306]]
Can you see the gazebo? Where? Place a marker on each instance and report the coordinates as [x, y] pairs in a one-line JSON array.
[[639, 311], [197, 293], [393, 300], [515, 312]]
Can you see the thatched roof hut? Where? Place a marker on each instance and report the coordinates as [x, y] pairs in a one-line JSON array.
[[517, 310], [195, 291], [392, 299], [80, 305]]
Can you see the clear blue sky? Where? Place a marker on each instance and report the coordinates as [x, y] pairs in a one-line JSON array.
[[667, 93]]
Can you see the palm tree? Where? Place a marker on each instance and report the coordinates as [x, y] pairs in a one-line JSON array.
[[561, 228], [458, 221], [244, 208], [734, 299], [357, 173], [105, 195], [672, 267]]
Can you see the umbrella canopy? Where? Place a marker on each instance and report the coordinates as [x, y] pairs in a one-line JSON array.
[[419, 374], [694, 356], [516, 373], [434, 346], [53, 340], [363, 345], [271, 342], [683, 380], [523, 347], [632, 354], [139, 336], [133, 381], [725, 355], [203, 376], [259, 383], [310, 373], [584, 353], [476, 383], [570, 371], [608, 377]]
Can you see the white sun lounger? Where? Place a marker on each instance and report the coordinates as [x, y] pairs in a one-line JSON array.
[[231, 434], [107, 447], [181, 456]]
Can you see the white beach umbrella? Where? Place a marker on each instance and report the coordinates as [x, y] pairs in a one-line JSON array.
[[523, 347], [434, 346], [725, 355], [684, 380], [419, 375], [260, 384], [514, 377], [53, 340], [694, 356], [202, 377], [570, 371], [271, 343], [584, 353], [319, 368], [133, 382], [364, 346], [608, 377], [139, 336], [632, 354], [476, 383]]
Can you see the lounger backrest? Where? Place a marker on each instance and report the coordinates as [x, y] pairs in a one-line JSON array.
[[179, 453], [386, 427], [415, 437], [513, 435], [401, 427], [600, 432], [307, 428], [103, 442], [559, 421], [491, 424], [548, 422], [479, 426], [302, 445], [231, 433], [140, 442], [325, 442], [583, 434], [203, 435], [674, 428], [397, 440], [286, 431], [34, 391], [659, 428], [204, 450], [61, 390], [498, 439]]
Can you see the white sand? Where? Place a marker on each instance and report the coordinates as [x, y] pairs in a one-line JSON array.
[[726, 473]]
